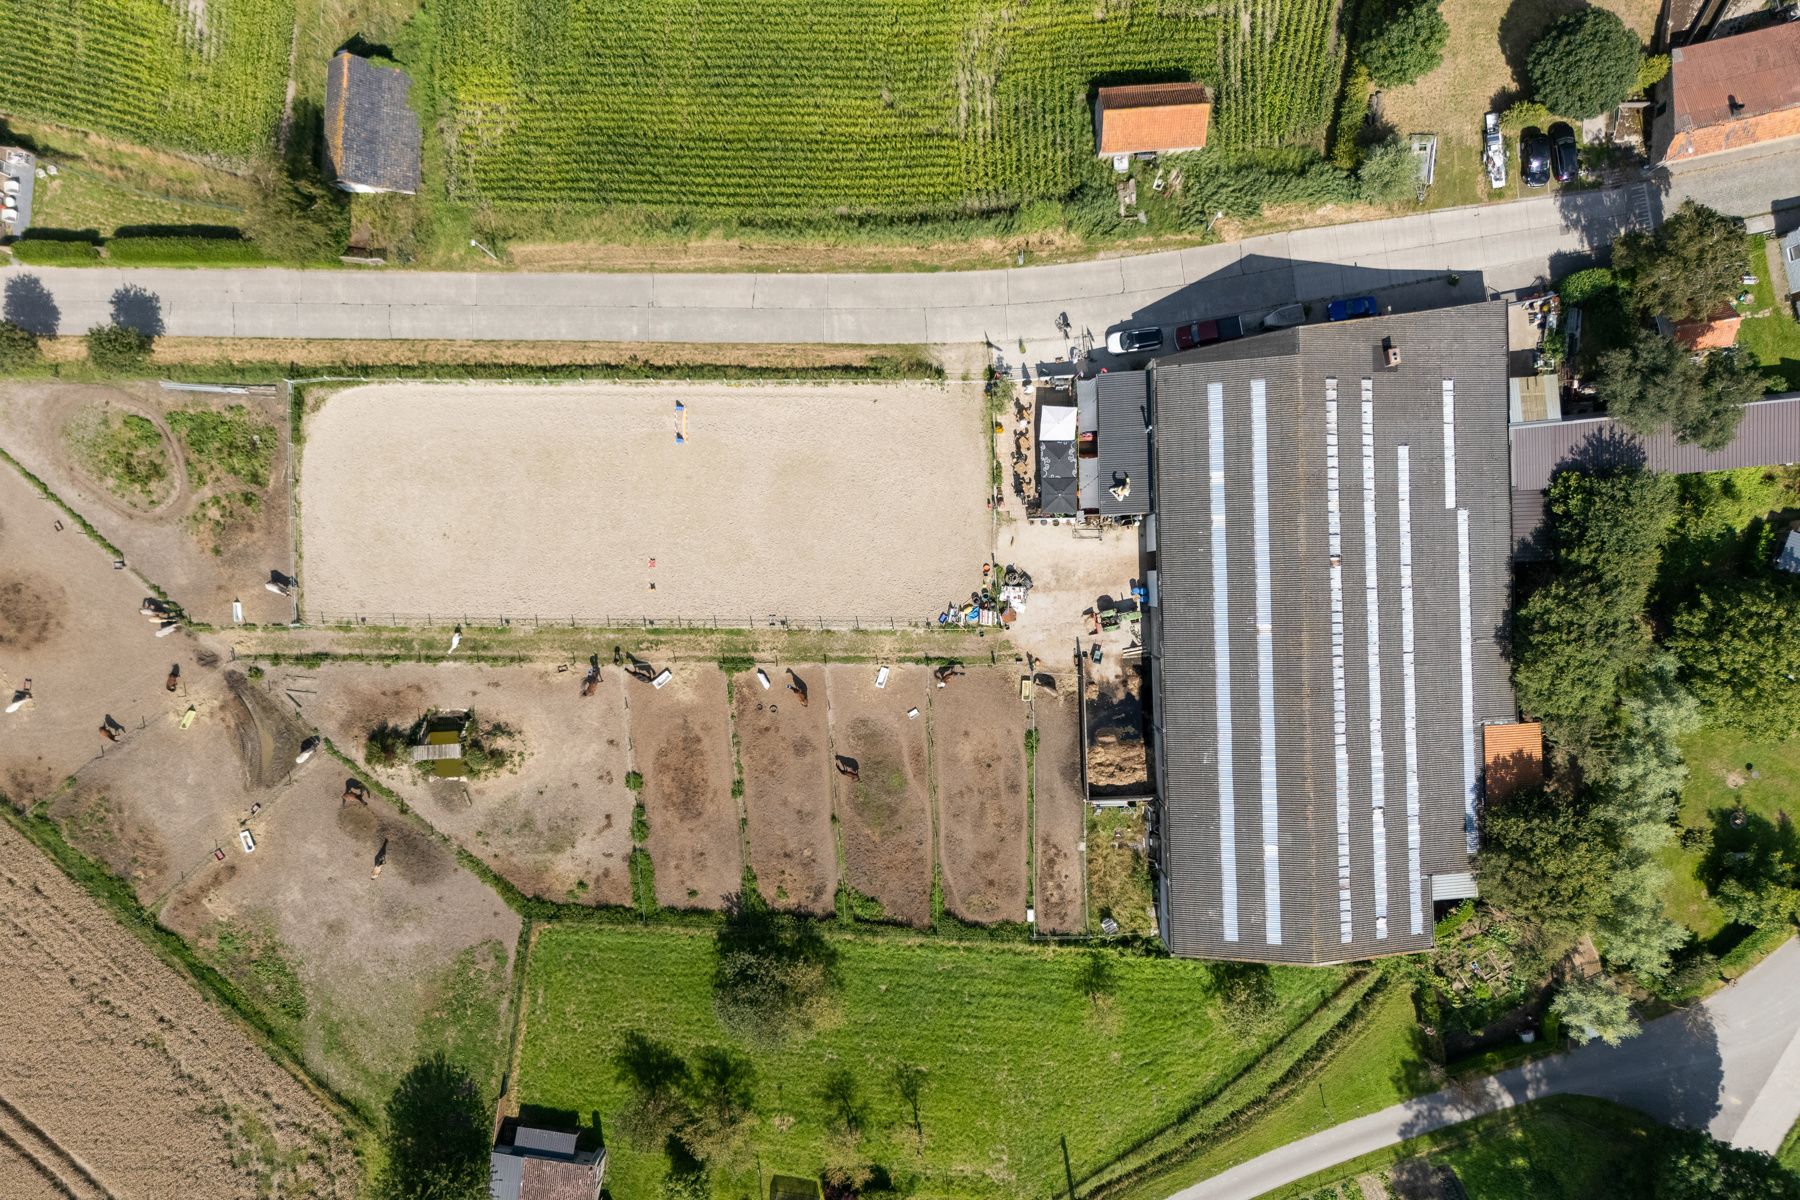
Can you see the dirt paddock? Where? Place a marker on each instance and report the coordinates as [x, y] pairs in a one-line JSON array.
[[978, 736], [491, 500], [1059, 808], [785, 750], [681, 745], [885, 813]]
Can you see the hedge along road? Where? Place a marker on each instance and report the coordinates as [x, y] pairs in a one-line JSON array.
[[1499, 247]]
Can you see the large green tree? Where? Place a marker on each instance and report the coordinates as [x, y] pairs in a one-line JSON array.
[[1688, 268], [1653, 384], [1407, 43], [1740, 656], [1693, 1166], [1584, 64], [1544, 858], [1594, 1008], [436, 1136]]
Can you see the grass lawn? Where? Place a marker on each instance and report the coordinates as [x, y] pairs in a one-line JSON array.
[[1118, 873], [1562, 1148], [1715, 760], [1773, 337], [1015, 1057]]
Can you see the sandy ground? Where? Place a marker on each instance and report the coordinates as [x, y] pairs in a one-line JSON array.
[[1068, 575], [681, 744], [559, 826], [111, 1062], [160, 541], [1059, 809], [885, 814], [492, 500], [978, 738], [785, 752]]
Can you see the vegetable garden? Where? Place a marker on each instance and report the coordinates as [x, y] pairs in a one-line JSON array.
[[207, 77], [802, 109]]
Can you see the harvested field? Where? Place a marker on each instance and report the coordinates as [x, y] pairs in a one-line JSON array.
[[212, 538], [1058, 808], [785, 751], [978, 758], [681, 745], [885, 814], [577, 501], [557, 823], [118, 1078]]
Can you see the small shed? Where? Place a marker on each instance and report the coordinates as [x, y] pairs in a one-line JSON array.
[[1513, 754], [1715, 333], [544, 1164], [1151, 118], [1790, 262], [371, 131], [1056, 461]]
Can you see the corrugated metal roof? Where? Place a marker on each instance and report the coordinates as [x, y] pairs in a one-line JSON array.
[[1124, 442], [547, 1141], [1790, 261], [1767, 435], [1467, 345], [505, 1174]]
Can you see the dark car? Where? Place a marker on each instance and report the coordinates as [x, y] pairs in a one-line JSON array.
[[1205, 333], [1565, 159], [1534, 157], [1134, 341], [1349, 310]]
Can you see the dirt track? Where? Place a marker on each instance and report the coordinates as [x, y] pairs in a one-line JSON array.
[[122, 1067], [787, 788], [978, 738]]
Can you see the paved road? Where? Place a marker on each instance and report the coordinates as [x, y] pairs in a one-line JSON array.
[[1730, 1065], [1501, 247]]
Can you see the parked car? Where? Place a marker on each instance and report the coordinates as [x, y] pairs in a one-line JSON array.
[[1205, 333], [1534, 157], [1565, 159], [1356, 306], [1134, 341]]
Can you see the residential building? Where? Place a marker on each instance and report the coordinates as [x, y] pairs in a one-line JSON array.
[[1732, 92], [1331, 545], [1150, 118], [541, 1164], [371, 131]]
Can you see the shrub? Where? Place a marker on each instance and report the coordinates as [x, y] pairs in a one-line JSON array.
[[1584, 285], [387, 746], [1407, 44], [1651, 69], [1353, 110], [182, 251], [1525, 113], [55, 252], [117, 348], [634, 782], [1584, 64], [1389, 172], [18, 347]]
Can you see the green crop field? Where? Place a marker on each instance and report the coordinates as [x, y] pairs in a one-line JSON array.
[[787, 109], [205, 75], [1015, 1057]]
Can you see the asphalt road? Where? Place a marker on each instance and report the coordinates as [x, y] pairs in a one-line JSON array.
[[1730, 1065], [1495, 247]]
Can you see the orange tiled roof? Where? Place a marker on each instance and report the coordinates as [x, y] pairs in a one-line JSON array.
[[1735, 91], [1716, 333], [1514, 755], [1153, 116]]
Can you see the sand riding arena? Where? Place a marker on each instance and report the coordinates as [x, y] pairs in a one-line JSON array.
[[618, 503]]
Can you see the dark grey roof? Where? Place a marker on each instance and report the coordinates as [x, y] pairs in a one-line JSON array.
[[1056, 479], [1290, 785], [371, 131], [1789, 248], [506, 1172], [1767, 435], [1124, 441]]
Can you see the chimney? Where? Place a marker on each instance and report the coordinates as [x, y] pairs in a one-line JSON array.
[[1390, 353]]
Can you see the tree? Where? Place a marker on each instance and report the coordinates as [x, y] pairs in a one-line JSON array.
[[18, 346], [773, 973], [1406, 44], [436, 1136], [721, 1091], [1653, 384], [658, 1079], [1739, 655], [1584, 64], [118, 348], [1389, 171], [294, 215], [1693, 1166], [1545, 859], [1594, 1008], [1688, 268]]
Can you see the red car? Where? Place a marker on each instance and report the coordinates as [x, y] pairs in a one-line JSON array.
[[1205, 333]]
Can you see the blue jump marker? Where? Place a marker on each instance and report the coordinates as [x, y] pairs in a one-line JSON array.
[[680, 423]]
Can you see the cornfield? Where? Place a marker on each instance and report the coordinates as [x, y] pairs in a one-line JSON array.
[[201, 75], [880, 108]]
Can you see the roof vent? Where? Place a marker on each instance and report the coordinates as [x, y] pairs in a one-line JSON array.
[[1390, 353]]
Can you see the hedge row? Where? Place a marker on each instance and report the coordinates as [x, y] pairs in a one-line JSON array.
[[139, 251], [49, 252]]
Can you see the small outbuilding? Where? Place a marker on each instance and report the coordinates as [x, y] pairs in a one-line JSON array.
[[1790, 263], [1151, 118], [1717, 332], [371, 131], [1056, 487], [542, 1164]]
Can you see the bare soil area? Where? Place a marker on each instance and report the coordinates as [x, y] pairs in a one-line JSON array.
[[681, 744], [172, 543], [1118, 759], [493, 500], [978, 758], [558, 822], [118, 1078], [885, 813], [1059, 807], [784, 748]]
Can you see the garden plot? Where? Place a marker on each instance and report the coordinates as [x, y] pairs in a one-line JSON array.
[[1058, 808], [490, 500], [885, 814], [556, 818], [132, 1083], [681, 745], [784, 749], [193, 490], [978, 757], [369, 972]]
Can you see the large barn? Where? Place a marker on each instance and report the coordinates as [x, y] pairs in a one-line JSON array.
[[1331, 543]]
